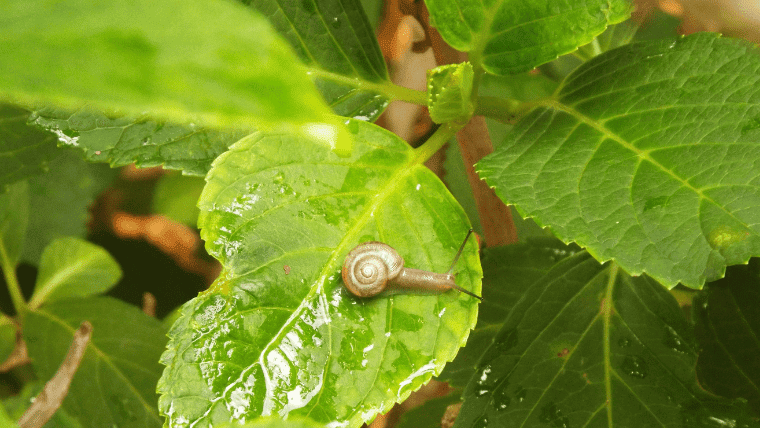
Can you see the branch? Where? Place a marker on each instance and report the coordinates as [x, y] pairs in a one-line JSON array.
[[55, 390]]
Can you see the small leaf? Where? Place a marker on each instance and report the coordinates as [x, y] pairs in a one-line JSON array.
[[449, 93], [278, 333], [728, 331], [210, 62], [60, 201], [24, 150], [647, 156], [588, 345], [71, 267], [509, 37], [14, 218], [176, 197], [115, 383], [508, 271], [139, 140], [337, 44]]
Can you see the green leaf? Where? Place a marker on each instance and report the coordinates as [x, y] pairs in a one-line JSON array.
[[7, 337], [508, 271], [274, 422], [115, 383], [336, 42], [17, 405], [176, 197], [14, 218], [588, 345], [728, 332], [71, 267], [278, 333], [139, 140], [449, 90], [509, 37], [24, 150], [210, 62], [646, 156], [5, 420], [60, 201], [429, 414]]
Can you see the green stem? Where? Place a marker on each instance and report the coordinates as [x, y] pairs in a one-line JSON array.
[[502, 109], [436, 141], [394, 92], [9, 272]]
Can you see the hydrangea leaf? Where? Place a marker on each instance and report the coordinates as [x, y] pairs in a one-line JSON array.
[[215, 63], [24, 150], [116, 380], [72, 267], [509, 37], [647, 155], [145, 142], [336, 42], [728, 332], [278, 333], [14, 219], [588, 345], [449, 93]]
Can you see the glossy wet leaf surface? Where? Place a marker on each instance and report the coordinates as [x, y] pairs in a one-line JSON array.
[[515, 36], [126, 140], [278, 333], [216, 63], [508, 271], [336, 42], [590, 346], [728, 332], [115, 383], [24, 150], [648, 155], [72, 267]]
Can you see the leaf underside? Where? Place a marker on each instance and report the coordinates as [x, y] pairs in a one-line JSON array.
[[278, 333], [590, 346], [648, 155]]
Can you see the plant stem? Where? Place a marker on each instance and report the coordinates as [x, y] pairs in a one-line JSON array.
[[436, 141], [394, 92], [504, 110], [14, 289]]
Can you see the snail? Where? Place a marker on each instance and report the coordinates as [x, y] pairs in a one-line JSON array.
[[372, 267]]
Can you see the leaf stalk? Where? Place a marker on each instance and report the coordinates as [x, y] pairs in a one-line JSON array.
[[14, 289]]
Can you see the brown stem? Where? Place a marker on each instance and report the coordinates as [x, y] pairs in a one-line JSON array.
[[55, 390]]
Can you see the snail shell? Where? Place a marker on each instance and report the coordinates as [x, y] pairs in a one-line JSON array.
[[369, 267]]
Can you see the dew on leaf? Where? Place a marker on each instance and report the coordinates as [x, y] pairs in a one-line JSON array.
[[723, 237], [501, 397], [657, 202], [335, 23], [551, 414], [673, 341], [481, 422], [309, 6], [635, 366], [520, 394], [624, 342]]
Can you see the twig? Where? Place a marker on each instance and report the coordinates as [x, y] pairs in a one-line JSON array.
[[149, 304], [18, 356], [49, 400]]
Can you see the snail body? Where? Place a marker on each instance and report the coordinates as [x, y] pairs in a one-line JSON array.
[[373, 267]]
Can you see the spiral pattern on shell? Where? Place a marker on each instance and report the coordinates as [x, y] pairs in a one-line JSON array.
[[369, 267]]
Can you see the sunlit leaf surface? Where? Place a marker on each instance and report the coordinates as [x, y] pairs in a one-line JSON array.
[[278, 333]]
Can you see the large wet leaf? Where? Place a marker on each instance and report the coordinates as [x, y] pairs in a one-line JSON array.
[[648, 155], [211, 62], [142, 141], [728, 331], [24, 150], [590, 346], [336, 42], [14, 218], [72, 267], [508, 271], [278, 333], [509, 37], [115, 383]]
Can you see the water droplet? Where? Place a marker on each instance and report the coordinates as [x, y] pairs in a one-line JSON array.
[[353, 127], [624, 342], [335, 23], [551, 414], [481, 422], [505, 340], [520, 394], [674, 341], [309, 6], [635, 366], [501, 398]]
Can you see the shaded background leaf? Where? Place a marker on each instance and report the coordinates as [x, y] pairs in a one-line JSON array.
[[24, 150], [507, 37], [588, 345], [728, 332], [14, 219], [115, 383], [278, 333], [176, 196], [429, 414], [71, 267], [646, 156]]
